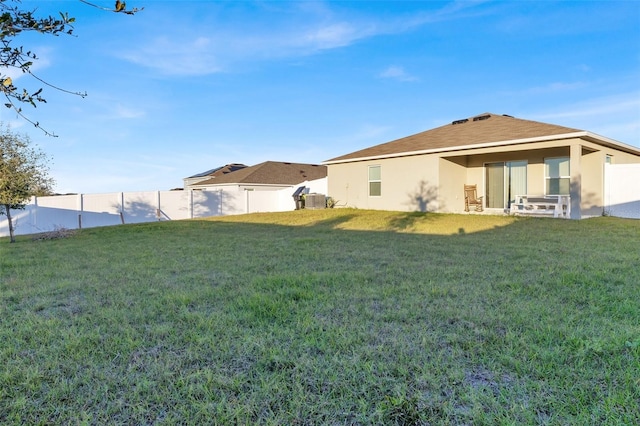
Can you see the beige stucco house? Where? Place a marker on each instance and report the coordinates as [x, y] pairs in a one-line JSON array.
[[504, 156]]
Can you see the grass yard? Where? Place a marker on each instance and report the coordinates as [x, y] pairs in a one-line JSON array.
[[325, 317]]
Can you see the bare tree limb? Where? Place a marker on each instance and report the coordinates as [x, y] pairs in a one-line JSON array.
[[120, 7], [13, 22]]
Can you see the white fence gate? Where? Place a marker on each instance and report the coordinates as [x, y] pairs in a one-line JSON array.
[[622, 190], [45, 214]]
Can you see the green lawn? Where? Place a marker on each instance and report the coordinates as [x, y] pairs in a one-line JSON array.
[[325, 317]]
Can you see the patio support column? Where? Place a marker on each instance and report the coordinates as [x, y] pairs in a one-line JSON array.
[[576, 180]]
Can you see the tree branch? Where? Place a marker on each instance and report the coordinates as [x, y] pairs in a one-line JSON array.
[[14, 21], [18, 111], [120, 7]]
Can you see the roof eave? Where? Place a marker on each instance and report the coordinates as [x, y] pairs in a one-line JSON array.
[[603, 140], [581, 134]]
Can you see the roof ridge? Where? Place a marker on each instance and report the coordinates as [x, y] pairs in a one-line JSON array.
[[479, 129]]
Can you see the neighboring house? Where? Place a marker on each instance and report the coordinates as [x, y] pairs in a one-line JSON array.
[[270, 175], [213, 173], [504, 156]]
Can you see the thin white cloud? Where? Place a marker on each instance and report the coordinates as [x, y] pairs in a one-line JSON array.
[[177, 56], [212, 46], [199, 55], [370, 131], [397, 73], [330, 36], [584, 68], [615, 116], [451, 11], [598, 107], [556, 87], [126, 112]]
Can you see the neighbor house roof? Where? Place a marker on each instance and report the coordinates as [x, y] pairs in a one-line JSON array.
[[271, 173], [486, 129], [219, 171]]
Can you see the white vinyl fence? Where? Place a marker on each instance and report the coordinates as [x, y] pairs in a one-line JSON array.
[[45, 214], [622, 190]]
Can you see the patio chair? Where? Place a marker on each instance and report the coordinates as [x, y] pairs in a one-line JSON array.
[[471, 198]]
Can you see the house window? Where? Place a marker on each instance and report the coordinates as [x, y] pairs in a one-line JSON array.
[[608, 159], [375, 182], [557, 176]]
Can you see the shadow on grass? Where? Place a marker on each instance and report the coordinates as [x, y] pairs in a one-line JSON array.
[[334, 222], [407, 221]]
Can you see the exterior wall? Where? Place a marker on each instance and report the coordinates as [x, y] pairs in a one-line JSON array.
[[619, 157], [408, 184], [439, 178], [454, 174], [592, 184], [592, 180], [348, 184], [586, 171], [471, 170]]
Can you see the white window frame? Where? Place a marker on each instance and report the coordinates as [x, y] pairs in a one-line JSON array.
[[560, 177], [378, 181]]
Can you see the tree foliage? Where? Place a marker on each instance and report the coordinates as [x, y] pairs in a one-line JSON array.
[[15, 21], [24, 172]]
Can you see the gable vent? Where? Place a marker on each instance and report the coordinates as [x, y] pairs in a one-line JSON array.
[[482, 117], [464, 120]]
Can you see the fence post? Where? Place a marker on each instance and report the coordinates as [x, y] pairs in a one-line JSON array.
[[122, 207], [34, 218], [80, 210], [190, 201], [158, 210]]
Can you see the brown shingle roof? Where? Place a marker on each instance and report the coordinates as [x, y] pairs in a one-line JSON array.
[[218, 171], [272, 173], [481, 129]]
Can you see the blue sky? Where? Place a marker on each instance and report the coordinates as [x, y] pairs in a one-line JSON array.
[[183, 87]]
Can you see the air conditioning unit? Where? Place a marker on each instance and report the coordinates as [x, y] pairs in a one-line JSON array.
[[315, 201]]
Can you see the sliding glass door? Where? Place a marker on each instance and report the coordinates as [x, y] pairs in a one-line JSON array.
[[494, 185], [503, 181]]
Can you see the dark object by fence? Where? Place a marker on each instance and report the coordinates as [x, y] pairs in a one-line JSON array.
[[299, 196]]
